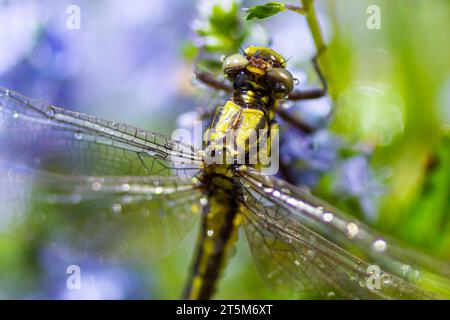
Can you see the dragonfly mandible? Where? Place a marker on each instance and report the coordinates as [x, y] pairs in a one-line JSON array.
[[114, 185]]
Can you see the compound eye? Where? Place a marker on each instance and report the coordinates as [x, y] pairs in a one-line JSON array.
[[233, 64], [280, 81]]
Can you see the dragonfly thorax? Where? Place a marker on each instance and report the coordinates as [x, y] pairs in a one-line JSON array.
[[237, 136], [240, 131]]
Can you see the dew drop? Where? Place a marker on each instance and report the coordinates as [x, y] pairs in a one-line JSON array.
[[127, 199], [78, 135], [203, 201], [116, 207], [327, 217], [159, 190], [75, 198], [96, 186], [296, 81], [210, 233], [387, 280], [15, 114], [292, 202], [51, 112], [150, 153], [310, 254], [352, 230], [379, 245], [319, 211]]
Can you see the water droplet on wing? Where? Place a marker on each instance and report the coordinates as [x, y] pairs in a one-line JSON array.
[[379, 245], [116, 207], [328, 217]]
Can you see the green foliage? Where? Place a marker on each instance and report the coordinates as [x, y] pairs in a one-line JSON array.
[[264, 11], [429, 220], [223, 31]]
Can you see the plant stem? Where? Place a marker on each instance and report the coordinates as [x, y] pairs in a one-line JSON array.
[[314, 27]]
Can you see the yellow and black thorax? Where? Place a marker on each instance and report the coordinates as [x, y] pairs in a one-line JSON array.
[[244, 123]]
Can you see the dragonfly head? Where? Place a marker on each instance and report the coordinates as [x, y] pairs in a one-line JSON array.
[[262, 68]]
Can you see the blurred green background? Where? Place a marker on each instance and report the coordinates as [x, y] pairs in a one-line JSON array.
[[390, 93]]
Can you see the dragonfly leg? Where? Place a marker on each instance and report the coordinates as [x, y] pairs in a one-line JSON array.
[[297, 95], [210, 80], [295, 121], [312, 93]]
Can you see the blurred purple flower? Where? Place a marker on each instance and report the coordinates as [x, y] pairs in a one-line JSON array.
[[355, 177], [309, 155], [100, 278]]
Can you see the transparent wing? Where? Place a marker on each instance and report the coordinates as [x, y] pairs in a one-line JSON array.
[[301, 243], [59, 140], [116, 216]]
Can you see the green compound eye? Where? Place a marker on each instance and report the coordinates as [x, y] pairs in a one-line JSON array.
[[280, 81], [233, 64]]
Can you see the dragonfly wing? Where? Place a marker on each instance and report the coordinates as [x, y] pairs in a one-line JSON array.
[[112, 216], [301, 243], [64, 141]]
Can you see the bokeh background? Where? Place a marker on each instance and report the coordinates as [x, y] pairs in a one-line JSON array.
[[381, 151]]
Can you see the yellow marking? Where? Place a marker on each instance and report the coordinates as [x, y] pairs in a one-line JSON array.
[[250, 119], [196, 285], [271, 115], [215, 220], [255, 70], [226, 115], [251, 50], [238, 219], [256, 85], [195, 208]]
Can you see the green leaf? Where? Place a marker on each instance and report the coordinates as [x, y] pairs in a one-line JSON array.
[[264, 11], [223, 31]]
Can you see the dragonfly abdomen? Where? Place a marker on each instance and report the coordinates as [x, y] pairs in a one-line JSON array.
[[218, 234]]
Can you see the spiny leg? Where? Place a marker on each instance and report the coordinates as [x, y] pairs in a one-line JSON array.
[[311, 93], [305, 95], [210, 80], [295, 121]]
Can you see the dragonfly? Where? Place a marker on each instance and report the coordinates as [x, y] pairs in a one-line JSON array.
[[110, 187]]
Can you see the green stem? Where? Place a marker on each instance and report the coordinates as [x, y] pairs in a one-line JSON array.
[[314, 27]]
